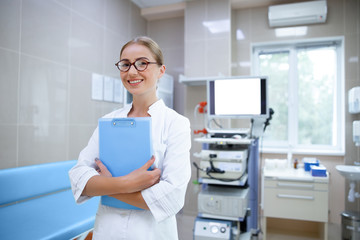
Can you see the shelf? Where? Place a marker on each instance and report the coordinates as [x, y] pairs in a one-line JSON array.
[[224, 141], [240, 182], [212, 216], [197, 81]]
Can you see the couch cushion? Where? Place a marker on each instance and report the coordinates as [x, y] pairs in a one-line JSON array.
[[54, 216], [31, 181]]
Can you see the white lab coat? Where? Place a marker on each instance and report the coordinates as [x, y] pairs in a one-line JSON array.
[[171, 145]]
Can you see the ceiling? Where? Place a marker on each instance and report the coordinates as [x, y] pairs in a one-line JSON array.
[[164, 9], [154, 3], [235, 3]]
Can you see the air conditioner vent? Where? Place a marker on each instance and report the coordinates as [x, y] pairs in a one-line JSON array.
[[297, 13]]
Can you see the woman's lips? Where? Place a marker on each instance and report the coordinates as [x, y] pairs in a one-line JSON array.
[[135, 82]]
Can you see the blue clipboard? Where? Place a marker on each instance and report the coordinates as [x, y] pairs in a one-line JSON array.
[[125, 144]]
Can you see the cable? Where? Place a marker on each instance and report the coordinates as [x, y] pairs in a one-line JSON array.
[[216, 170], [213, 169], [225, 180], [216, 123]]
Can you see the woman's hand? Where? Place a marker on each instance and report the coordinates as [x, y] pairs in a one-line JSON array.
[[102, 169], [135, 181], [143, 178]]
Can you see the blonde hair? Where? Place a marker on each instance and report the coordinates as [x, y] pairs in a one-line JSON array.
[[150, 44]]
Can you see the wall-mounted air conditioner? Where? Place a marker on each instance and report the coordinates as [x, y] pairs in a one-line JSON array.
[[297, 13]]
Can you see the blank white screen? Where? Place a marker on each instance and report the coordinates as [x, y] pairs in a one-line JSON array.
[[237, 96]]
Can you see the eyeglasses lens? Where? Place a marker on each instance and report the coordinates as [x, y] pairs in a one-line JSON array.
[[139, 64], [124, 65]]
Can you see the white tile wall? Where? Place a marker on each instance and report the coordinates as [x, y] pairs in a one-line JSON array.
[[48, 51], [207, 53], [10, 10], [42, 92], [9, 65], [94, 11], [86, 44], [45, 29], [169, 35]]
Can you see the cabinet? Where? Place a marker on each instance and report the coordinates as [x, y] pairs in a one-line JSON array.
[[296, 195]]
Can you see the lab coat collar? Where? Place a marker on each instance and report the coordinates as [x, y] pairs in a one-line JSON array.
[[152, 109], [127, 109], [155, 106]]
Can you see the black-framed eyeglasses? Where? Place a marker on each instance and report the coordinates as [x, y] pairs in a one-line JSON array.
[[140, 64]]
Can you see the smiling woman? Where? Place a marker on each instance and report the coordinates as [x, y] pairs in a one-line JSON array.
[[160, 193], [141, 80]]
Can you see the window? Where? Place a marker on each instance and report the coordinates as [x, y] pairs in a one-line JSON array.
[[306, 93]]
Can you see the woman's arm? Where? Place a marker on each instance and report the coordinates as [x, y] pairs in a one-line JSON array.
[[105, 184], [86, 180], [166, 198], [135, 199]]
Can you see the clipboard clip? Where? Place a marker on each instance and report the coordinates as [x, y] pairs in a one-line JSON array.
[[130, 122]]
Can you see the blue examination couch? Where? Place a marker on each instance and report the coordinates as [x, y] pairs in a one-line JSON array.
[[36, 202]]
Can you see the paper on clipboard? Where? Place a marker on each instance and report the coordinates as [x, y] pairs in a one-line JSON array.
[[125, 144]]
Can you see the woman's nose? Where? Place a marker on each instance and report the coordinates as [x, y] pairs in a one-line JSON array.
[[132, 69]]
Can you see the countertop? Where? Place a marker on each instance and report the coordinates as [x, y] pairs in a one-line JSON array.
[[291, 174]]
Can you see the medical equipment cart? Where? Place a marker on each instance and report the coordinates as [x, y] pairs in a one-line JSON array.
[[228, 202]]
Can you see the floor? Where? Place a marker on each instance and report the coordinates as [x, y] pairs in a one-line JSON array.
[[186, 226]]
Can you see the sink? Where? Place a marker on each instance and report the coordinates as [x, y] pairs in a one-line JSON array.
[[350, 172]]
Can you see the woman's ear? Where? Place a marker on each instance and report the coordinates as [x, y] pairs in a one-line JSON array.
[[162, 71]]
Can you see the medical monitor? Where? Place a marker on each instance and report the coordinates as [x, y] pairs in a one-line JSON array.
[[237, 97]]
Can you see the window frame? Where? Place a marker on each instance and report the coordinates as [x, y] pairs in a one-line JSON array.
[[339, 92]]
